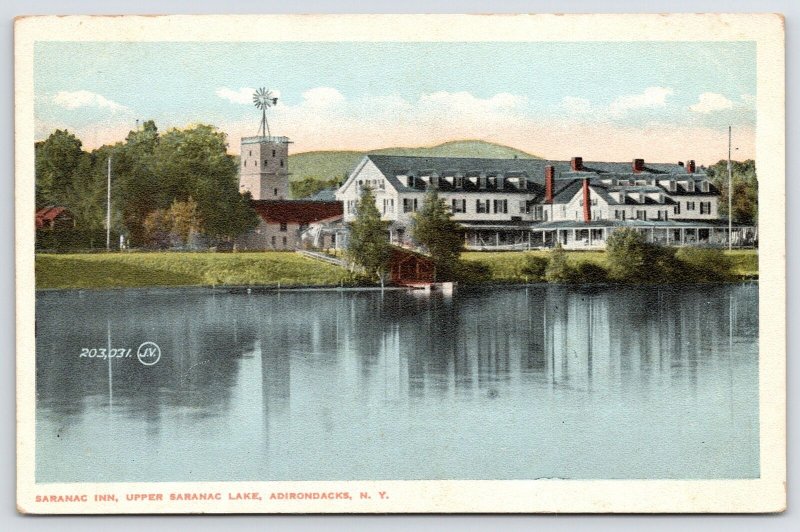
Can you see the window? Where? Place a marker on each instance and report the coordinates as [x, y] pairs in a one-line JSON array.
[[641, 215], [266, 162], [250, 153], [284, 241], [704, 186], [281, 163], [619, 214], [661, 215], [409, 204], [689, 205], [274, 191], [481, 206], [538, 212], [273, 153], [705, 207], [255, 163], [388, 205], [244, 163], [459, 182], [523, 207], [677, 209], [283, 227], [273, 241], [501, 206], [482, 183], [458, 205]]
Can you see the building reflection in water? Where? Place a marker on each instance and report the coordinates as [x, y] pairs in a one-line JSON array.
[[266, 371]]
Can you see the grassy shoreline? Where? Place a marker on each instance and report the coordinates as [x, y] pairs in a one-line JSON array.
[[269, 269]]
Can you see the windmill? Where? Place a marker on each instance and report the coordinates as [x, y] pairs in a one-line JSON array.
[[263, 99]]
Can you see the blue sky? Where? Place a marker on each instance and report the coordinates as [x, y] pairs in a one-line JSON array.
[[658, 100]]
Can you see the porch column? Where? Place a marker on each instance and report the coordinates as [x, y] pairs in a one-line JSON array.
[[683, 236], [497, 238]]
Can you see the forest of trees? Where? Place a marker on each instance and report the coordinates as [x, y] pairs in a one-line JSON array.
[[164, 185]]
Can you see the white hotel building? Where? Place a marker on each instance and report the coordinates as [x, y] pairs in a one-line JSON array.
[[532, 203]]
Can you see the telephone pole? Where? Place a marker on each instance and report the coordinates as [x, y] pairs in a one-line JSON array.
[[108, 207], [730, 195]]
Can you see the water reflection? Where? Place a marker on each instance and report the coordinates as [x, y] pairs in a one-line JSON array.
[[500, 383]]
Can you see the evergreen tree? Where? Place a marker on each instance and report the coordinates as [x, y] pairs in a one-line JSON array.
[[435, 230], [368, 245]]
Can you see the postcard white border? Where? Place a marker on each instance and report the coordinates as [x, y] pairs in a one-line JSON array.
[[766, 494]]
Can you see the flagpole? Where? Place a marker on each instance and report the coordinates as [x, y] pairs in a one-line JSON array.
[[108, 207], [730, 195]]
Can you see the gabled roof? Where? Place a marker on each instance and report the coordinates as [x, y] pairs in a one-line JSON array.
[[394, 165], [296, 211], [47, 215]]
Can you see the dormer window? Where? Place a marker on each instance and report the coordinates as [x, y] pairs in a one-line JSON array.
[[690, 186], [704, 186], [459, 182], [482, 182]]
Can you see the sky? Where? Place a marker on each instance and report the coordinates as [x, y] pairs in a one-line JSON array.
[[661, 101]]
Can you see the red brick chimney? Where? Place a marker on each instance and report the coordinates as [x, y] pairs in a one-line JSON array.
[[587, 206], [690, 168], [638, 165], [576, 164], [549, 181]]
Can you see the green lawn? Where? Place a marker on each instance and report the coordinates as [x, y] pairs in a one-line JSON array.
[[270, 268], [745, 262], [126, 270], [506, 266]]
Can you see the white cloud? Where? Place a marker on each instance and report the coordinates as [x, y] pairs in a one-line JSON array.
[[650, 98], [708, 102], [748, 99], [242, 96], [78, 99], [576, 105], [322, 97]]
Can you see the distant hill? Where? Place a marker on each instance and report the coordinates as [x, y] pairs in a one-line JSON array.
[[335, 164]]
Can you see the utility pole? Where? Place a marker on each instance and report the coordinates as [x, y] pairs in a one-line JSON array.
[[108, 207], [730, 195]]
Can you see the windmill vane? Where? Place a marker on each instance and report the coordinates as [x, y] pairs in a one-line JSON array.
[[263, 99]]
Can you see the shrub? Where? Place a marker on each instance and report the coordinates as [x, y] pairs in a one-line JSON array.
[[631, 259], [590, 273], [535, 268], [704, 264], [559, 270], [626, 255], [471, 272]]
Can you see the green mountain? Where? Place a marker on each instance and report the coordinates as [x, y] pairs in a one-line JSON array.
[[336, 164]]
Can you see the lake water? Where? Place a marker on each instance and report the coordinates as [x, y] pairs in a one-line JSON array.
[[501, 383]]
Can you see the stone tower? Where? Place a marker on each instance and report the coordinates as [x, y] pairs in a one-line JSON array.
[[264, 167]]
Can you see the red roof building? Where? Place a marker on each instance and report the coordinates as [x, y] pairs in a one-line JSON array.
[[52, 217], [282, 222]]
